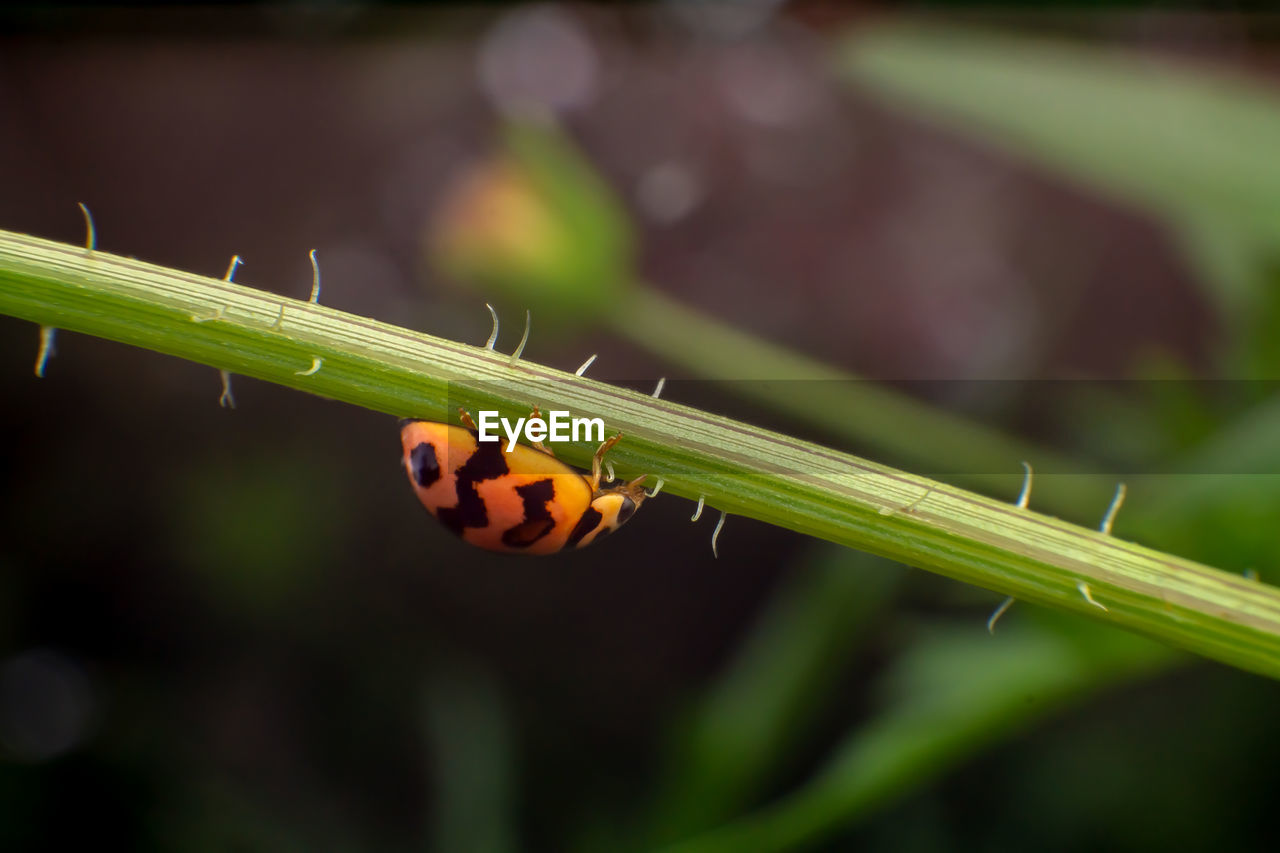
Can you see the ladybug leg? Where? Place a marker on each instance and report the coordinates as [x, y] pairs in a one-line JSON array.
[[598, 460], [465, 417], [536, 415]]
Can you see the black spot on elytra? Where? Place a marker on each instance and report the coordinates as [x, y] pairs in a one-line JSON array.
[[589, 521], [525, 534], [487, 463], [537, 518], [627, 510], [424, 465]]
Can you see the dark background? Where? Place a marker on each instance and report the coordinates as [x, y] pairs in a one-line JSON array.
[[236, 629]]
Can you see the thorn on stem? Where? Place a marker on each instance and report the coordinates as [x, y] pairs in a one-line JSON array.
[[1116, 502], [697, 513], [911, 507], [91, 234], [1024, 496], [493, 336], [715, 534], [217, 315], [315, 277], [1083, 589], [999, 611], [515, 356], [47, 334], [227, 400], [313, 370]]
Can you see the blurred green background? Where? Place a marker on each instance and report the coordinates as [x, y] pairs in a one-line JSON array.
[[237, 629]]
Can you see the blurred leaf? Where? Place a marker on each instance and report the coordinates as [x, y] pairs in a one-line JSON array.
[[752, 719], [1257, 340], [466, 729], [537, 224], [1229, 264], [952, 694], [256, 529], [1183, 411], [1225, 503], [214, 813], [1141, 424], [1190, 145], [1248, 278], [1115, 423]]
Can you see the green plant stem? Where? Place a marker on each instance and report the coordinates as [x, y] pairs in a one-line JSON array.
[[738, 468]]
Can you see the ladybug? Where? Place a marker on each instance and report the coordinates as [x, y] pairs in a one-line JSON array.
[[523, 501]]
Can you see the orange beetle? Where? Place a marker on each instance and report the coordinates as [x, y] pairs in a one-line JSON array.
[[523, 501]]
